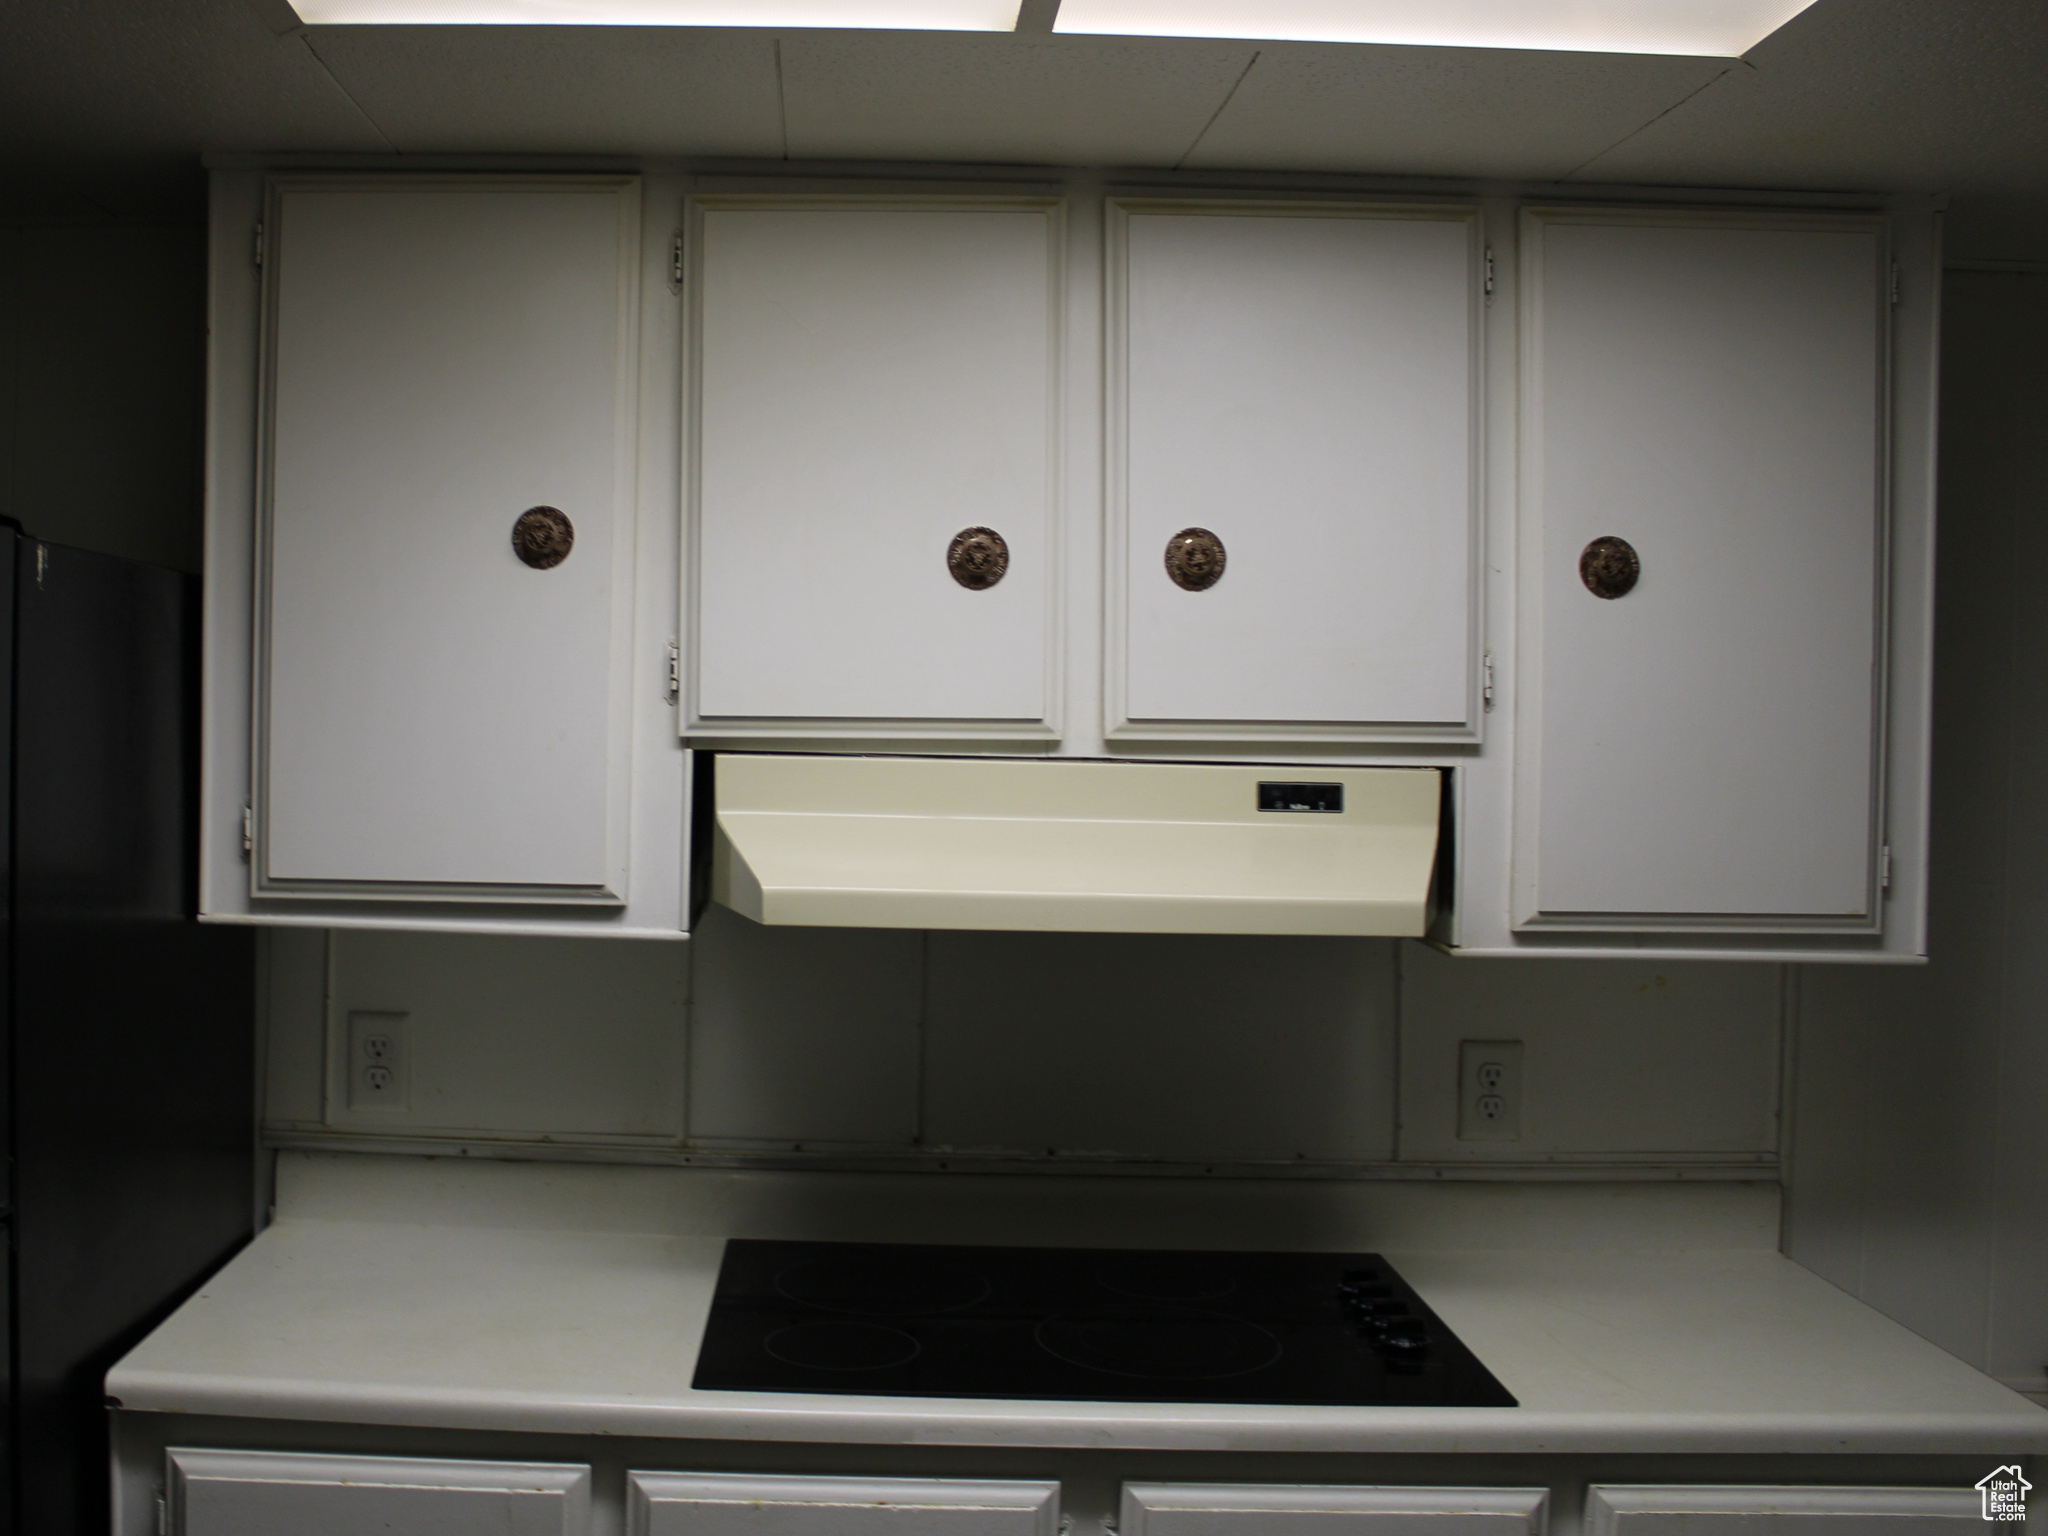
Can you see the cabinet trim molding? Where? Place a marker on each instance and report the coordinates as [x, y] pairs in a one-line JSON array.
[[611, 891], [639, 896], [1191, 1509], [698, 726], [1529, 915], [1025, 1508], [1119, 725], [1619, 1509], [186, 1470]]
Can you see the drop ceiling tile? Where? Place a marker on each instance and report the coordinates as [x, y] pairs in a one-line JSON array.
[[562, 90], [1439, 111], [1014, 99], [90, 80], [1917, 94]]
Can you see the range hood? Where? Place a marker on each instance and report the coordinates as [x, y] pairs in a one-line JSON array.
[[1068, 846]]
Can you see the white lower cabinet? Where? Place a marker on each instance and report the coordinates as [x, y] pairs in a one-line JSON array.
[[1627, 1510], [1240, 1509], [743, 1504], [274, 1493]]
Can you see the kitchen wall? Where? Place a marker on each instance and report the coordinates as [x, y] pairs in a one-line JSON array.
[[1075, 1051], [1918, 1156], [1919, 1162], [102, 373]]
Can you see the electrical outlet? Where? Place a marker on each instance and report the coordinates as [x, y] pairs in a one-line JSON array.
[[1489, 1090], [378, 1062]]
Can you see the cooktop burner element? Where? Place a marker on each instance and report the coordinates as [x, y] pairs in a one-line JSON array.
[[1081, 1324]]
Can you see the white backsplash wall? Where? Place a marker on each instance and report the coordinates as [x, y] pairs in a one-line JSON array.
[[533, 1040], [1919, 1151], [1622, 1059], [1175, 1047], [804, 1036], [981, 1049]]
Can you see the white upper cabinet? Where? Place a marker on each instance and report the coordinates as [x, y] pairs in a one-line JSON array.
[[873, 429], [1635, 550], [1292, 396], [1704, 405], [450, 670], [438, 715]]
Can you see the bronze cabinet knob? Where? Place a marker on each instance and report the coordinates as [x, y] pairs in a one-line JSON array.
[[977, 557], [1195, 559], [1609, 567], [543, 537]]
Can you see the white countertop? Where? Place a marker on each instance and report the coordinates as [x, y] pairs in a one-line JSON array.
[[557, 1298]]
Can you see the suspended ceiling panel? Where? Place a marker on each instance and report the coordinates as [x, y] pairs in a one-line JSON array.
[[978, 97], [120, 99], [101, 77], [574, 90], [1440, 111], [1920, 95]]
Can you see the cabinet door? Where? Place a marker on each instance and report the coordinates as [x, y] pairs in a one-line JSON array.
[[1620, 1510], [870, 380], [265, 1493], [437, 717], [1298, 382], [1701, 750], [1252, 1509], [742, 1504]]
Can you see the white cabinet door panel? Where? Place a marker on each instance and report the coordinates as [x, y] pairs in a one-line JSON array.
[[435, 716], [868, 380], [273, 1493], [1299, 381], [1252, 1509], [742, 1504], [1621, 1510], [1703, 749]]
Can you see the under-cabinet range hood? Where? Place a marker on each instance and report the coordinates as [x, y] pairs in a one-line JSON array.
[[1065, 846]]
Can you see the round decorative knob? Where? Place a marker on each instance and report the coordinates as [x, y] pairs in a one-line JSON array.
[[543, 537], [977, 557], [1195, 559], [1609, 567]]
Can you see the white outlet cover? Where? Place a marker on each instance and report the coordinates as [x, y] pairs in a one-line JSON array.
[[377, 1064], [1489, 1071]]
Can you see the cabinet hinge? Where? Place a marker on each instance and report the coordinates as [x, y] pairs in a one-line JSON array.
[[1895, 282], [256, 248], [1486, 682], [1884, 868], [163, 1516], [675, 259], [1489, 271], [675, 671], [248, 830]]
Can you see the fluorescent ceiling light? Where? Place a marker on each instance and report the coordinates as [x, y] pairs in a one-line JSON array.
[[1716, 28], [905, 15]]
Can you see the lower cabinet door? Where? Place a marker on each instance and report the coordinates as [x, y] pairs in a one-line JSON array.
[[1253, 1509], [1632, 1510], [272, 1493], [741, 1504]]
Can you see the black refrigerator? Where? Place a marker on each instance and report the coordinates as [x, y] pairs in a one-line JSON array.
[[130, 1094]]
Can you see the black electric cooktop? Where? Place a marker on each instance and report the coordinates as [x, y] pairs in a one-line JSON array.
[[1086, 1324]]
